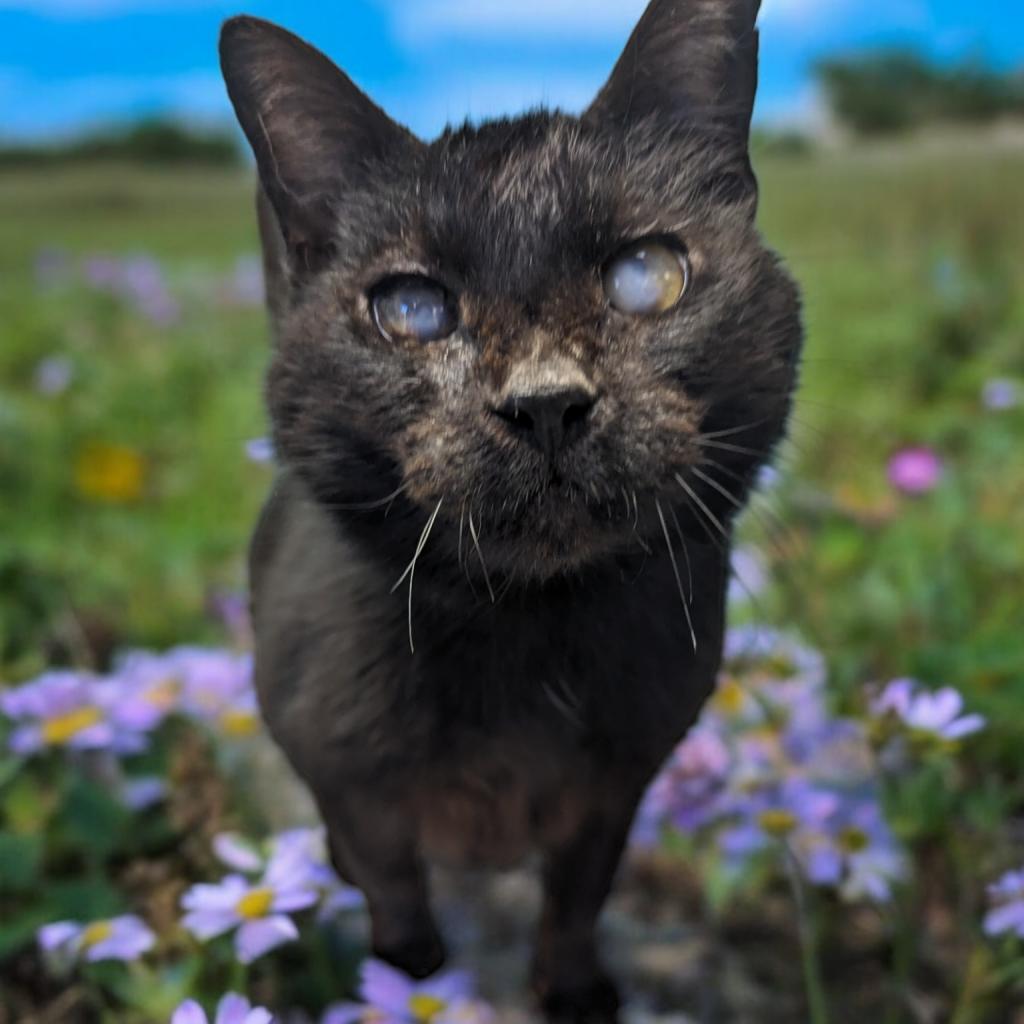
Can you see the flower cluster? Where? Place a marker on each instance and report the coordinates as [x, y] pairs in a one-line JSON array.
[[119, 712], [389, 997], [769, 766], [268, 886], [140, 281], [119, 938], [232, 1009]]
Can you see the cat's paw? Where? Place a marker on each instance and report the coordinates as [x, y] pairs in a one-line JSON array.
[[596, 1003]]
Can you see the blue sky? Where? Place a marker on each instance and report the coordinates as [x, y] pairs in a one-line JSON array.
[[67, 64]]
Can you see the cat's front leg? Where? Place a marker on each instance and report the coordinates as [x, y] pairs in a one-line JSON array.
[[372, 837], [568, 977]]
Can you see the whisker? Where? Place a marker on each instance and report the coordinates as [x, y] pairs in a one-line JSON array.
[[410, 572], [686, 553], [702, 506], [675, 569], [738, 449], [368, 506], [480, 555], [728, 495], [462, 526], [736, 430]]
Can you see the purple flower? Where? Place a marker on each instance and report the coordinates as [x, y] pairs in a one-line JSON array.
[[686, 792], [120, 938], [936, 715], [53, 375], [390, 997], [217, 688], [1001, 394], [142, 793], [855, 852], [260, 450], [260, 911], [231, 609], [749, 576], [138, 280], [782, 812], [245, 286], [232, 1009], [915, 470], [301, 854], [71, 710], [1007, 901]]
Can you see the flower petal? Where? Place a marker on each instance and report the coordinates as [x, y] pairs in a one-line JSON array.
[[190, 1012], [255, 938], [232, 1009], [386, 988]]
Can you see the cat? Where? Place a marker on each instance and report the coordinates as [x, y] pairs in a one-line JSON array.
[[523, 379]]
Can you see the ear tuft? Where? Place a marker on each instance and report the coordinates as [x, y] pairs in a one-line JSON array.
[[690, 62], [313, 132]]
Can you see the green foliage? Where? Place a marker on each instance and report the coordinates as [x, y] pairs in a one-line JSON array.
[[157, 141], [892, 91]]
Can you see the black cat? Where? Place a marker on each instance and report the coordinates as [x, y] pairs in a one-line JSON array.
[[523, 378]]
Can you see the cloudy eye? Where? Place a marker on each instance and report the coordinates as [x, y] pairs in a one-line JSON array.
[[414, 309], [646, 277]]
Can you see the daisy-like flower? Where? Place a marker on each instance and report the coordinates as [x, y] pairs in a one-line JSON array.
[[260, 450], [1006, 896], [1001, 394], [260, 910], [306, 851], [232, 1009], [69, 710], [855, 852], [927, 715], [687, 791], [53, 375], [120, 938], [390, 997], [217, 688], [915, 470]]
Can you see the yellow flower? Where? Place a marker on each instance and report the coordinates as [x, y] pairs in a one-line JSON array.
[[110, 472]]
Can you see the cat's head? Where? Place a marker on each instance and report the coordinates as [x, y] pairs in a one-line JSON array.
[[561, 334]]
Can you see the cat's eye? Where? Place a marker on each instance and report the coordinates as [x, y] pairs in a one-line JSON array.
[[647, 277], [413, 308]]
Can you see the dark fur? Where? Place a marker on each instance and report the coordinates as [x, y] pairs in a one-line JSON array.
[[554, 664]]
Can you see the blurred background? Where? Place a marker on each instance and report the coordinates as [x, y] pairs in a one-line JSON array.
[[890, 147], [890, 143]]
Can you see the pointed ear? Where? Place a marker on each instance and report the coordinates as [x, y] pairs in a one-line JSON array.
[[690, 62], [313, 132]]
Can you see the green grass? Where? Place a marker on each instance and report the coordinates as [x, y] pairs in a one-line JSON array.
[[897, 354]]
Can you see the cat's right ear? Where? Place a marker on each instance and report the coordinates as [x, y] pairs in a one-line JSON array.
[[313, 132], [688, 63]]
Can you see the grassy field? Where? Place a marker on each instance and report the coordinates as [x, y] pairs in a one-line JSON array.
[[910, 261], [132, 346]]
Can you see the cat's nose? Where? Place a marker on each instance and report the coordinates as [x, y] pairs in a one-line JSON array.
[[550, 420]]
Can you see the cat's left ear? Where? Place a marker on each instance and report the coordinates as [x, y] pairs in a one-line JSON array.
[[313, 132], [689, 63]]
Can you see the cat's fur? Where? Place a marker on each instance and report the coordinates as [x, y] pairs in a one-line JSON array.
[[566, 614]]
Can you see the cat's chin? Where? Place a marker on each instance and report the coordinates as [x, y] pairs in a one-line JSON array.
[[545, 543]]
